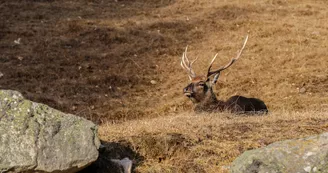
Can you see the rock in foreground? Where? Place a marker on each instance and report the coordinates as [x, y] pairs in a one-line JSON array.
[[290, 156], [37, 138]]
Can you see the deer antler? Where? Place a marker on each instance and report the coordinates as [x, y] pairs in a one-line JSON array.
[[217, 72], [187, 65]]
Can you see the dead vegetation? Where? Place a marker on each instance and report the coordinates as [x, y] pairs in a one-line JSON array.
[[207, 142], [96, 59]]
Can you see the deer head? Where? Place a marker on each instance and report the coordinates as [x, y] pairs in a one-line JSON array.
[[200, 88]]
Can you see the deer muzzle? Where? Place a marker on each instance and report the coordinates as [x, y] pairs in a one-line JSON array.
[[188, 91]]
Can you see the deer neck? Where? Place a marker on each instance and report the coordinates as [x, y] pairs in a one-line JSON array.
[[209, 103]]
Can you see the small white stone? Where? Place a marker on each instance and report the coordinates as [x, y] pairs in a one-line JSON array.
[[302, 90], [308, 154], [153, 82], [20, 58], [18, 41], [126, 163], [315, 169], [307, 169]]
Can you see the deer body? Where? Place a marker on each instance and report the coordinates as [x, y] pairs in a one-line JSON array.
[[200, 91], [235, 104], [241, 104]]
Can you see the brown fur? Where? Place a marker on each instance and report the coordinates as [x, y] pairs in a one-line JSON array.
[[201, 94]]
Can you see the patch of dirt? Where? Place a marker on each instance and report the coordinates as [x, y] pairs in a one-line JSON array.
[[96, 62]]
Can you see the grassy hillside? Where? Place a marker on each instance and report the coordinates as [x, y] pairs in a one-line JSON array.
[[96, 59]]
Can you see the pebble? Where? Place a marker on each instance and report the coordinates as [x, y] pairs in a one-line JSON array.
[[153, 82]]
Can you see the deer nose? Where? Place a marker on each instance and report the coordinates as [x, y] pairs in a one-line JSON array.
[[188, 89], [185, 89]]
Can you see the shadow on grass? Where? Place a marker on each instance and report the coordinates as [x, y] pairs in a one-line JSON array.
[[113, 150]]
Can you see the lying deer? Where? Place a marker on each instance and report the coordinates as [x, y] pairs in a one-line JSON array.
[[201, 93]]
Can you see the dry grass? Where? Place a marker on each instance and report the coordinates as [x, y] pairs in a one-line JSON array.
[[96, 59], [207, 142]]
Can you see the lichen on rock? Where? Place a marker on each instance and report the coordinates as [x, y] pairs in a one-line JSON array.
[[296, 155], [37, 138]]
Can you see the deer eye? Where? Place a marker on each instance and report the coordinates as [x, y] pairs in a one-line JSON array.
[[201, 84]]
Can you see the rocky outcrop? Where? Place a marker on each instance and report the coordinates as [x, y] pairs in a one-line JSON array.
[[291, 156], [37, 138]]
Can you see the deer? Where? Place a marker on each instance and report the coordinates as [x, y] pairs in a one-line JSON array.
[[200, 90]]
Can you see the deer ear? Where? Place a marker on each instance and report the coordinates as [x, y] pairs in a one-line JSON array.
[[216, 77], [209, 82]]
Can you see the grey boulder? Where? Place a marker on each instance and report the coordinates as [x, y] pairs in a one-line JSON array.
[[291, 156], [37, 138]]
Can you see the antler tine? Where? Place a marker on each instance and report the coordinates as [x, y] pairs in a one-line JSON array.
[[185, 54], [209, 72], [184, 66], [193, 61], [210, 66], [190, 64], [185, 61]]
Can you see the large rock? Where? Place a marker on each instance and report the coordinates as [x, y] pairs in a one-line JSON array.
[[37, 138], [290, 156]]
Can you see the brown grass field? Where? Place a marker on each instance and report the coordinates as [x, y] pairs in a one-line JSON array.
[[97, 58]]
